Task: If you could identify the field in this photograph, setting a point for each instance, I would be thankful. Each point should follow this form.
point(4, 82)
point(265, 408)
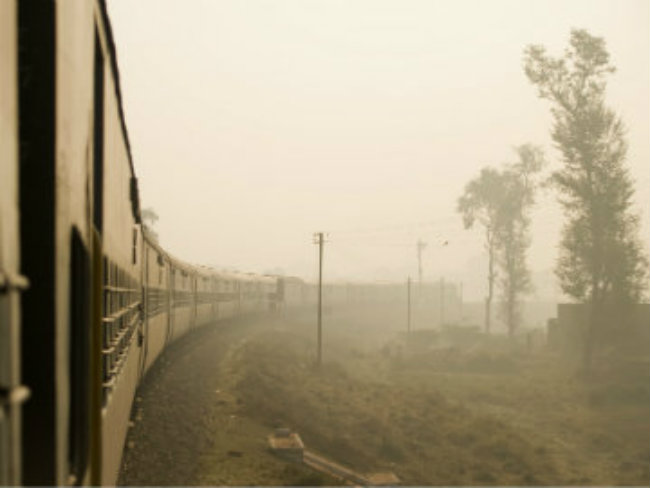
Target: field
point(434, 408)
point(451, 415)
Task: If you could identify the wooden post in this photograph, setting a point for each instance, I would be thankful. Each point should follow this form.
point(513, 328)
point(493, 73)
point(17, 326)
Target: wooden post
point(320, 298)
point(442, 301)
point(408, 302)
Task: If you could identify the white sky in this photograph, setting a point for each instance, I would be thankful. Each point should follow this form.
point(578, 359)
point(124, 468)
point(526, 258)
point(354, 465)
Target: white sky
point(256, 123)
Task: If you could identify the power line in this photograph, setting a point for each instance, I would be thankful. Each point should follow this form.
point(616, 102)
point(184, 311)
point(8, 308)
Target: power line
point(384, 228)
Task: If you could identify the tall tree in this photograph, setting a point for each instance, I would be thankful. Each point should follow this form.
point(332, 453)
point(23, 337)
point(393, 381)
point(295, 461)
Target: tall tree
point(601, 259)
point(481, 203)
point(513, 239)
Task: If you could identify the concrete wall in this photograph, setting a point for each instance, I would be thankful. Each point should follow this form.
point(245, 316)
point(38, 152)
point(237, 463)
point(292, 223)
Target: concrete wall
point(627, 327)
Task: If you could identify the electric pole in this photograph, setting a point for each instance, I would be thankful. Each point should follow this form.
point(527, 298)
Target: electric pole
point(318, 239)
point(408, 306)
point(461, 302)
point(421, 245)
point(442, 300)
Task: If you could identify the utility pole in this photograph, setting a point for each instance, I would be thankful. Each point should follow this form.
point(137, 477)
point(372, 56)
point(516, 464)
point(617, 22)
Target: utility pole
point(461, 301)
point(421, 245)
point(408, 306)
point(318, 239)
point(442, 300)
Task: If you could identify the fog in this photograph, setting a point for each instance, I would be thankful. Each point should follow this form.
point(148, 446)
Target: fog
point(255, 124)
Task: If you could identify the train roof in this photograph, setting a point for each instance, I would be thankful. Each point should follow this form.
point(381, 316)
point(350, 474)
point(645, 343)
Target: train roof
point(177, 263)
point(110, 44)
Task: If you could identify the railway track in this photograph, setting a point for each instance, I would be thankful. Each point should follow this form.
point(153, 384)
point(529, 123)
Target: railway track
point(171, 421)
point(324, 465)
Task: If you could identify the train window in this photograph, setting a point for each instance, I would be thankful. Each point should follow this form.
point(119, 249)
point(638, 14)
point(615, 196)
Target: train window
point(135, 199)
point(105, 282)
point(120, 321)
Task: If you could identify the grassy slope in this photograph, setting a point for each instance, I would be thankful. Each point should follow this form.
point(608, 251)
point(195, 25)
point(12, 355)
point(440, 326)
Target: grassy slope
point(433, 418)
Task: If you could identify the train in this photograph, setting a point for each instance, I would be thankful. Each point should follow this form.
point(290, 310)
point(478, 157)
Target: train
point(88, 299)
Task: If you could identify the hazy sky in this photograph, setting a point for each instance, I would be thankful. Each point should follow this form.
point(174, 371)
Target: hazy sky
point(256, 123)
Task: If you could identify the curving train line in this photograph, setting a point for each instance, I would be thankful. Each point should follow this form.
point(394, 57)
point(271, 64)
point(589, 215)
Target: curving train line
point(88, 300)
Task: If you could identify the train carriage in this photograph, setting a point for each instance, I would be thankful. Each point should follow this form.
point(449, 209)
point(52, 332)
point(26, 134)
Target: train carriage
point(245, 293)
point(156, 281)
point(228, 294)
point(59, 204)
point(122, 246)
point(291, 292)
point(205, 297)
point(80, 244)
point(183, 303)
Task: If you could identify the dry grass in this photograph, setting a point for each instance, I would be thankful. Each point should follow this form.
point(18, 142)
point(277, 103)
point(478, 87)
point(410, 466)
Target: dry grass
point(456, 416)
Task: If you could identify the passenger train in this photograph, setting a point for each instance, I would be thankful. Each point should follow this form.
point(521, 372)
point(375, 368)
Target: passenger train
point(88, 300)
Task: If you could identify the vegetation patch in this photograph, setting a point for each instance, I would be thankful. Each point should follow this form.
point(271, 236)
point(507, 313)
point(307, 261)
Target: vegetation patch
point(377, 424)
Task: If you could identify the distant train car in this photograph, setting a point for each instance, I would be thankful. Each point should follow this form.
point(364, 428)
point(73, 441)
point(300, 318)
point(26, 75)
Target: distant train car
point(156, 282)
point(267, 293)
point(205, 297)
point(291, 292)
point(183, 307)
point(228, 297)
point(254, 292)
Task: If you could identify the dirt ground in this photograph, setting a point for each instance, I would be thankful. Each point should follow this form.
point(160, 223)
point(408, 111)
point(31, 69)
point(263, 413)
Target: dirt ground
point(432, 411)
point(183, 412)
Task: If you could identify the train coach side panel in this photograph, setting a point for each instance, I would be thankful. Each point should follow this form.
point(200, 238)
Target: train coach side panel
point(122, 291)
point(205, 298)
point(74, 100)
point(183, 304)
point(157, 303)
point(115, 421)
point(227, 296)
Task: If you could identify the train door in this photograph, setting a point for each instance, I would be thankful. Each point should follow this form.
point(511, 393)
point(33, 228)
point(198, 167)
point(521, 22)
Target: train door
point(146, 301)
point(167, 283)
point(80, 345)
point(238, 291)
point(172, 298)
point(36, 98)
point(215, 299)
point(194, 287)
